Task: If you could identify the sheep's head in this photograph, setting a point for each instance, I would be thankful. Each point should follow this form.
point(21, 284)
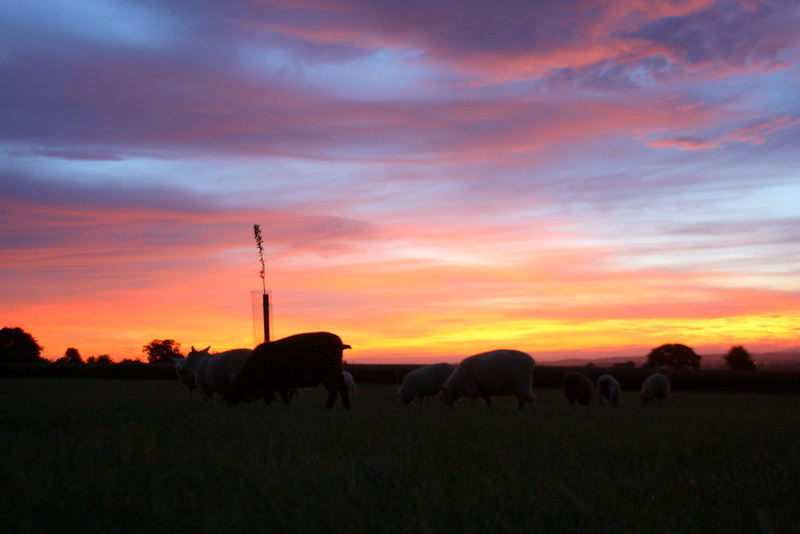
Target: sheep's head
point(194, 353)
point(185, 372)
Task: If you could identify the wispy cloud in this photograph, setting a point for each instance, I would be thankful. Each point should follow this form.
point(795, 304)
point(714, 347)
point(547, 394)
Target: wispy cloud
point(755, 133)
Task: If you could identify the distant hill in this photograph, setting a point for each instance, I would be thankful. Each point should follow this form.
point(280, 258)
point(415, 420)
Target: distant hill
point(788, 359)
point(599, 362)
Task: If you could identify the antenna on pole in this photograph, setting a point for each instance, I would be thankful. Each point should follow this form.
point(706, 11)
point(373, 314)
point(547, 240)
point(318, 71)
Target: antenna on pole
point(261, 273)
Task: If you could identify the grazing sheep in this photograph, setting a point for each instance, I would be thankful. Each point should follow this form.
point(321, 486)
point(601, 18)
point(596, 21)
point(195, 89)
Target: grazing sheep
point(498, 372)
point(212, 374)
point(423, 382)
point(608, 390)
point(299, 361)
point(654, 388)
point(578, 387)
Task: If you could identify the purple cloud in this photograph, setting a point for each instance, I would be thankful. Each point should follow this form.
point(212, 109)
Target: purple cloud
point(732, 33)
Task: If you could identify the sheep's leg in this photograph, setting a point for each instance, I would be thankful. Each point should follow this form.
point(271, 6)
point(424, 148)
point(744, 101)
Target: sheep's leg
point(529, 398)
point(340, 381)
point(332, 394)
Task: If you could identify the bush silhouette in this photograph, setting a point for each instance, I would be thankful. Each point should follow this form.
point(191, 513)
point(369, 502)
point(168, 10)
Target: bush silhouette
point(739, 359)
point(160, 350)
point(674, 355)
point(71, 355)
point(16, 345)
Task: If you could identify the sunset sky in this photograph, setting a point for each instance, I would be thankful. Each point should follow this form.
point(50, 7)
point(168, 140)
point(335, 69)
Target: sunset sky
point(432, 179)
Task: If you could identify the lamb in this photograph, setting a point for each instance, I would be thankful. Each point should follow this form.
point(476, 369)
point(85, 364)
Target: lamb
point(608, 390)
point(654, 388)
point(497, 372)
point(578, 386)
point(299, 361)
point(423, 382)
point(212, 374)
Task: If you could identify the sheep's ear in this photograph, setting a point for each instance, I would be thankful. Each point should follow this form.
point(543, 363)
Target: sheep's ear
point(206, 349)
point(193, 349)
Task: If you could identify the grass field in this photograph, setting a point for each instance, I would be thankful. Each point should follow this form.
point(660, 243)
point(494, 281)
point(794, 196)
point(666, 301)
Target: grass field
point(131, 456)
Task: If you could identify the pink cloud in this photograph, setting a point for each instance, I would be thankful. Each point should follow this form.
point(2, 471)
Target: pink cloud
point(79, 240)
point(754, 133)
point(686, 143)
point(758, 132)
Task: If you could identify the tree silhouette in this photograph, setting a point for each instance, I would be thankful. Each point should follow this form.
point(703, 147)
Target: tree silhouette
point(71, 355)
point(673, 355)
point(16, 345)
point(160, 350)
point(739, 359)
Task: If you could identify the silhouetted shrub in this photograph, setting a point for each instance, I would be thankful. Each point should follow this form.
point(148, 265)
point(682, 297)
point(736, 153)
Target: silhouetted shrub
point(16, 345)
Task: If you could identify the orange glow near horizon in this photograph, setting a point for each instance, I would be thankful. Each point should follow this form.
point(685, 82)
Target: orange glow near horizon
point(423, 319)
point(424, 339)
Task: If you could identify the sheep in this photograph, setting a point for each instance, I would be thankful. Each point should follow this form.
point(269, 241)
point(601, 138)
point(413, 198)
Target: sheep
point(654, 388)
point(298, 361)
point(497, 372)
point(608, 390)
point(212, 374)
point(578, 387)
point(423, 382)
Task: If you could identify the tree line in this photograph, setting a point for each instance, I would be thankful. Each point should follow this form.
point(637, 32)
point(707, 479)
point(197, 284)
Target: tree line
point(18, 346)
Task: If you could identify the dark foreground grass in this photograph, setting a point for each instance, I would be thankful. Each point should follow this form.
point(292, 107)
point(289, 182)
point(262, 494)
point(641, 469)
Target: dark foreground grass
point(90, 456)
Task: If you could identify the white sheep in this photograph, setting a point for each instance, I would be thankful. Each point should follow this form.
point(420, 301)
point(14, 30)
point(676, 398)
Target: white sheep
point(498, 372)
point(212, 374)
point(423, 382)
point(608, 390)
point(654, 388)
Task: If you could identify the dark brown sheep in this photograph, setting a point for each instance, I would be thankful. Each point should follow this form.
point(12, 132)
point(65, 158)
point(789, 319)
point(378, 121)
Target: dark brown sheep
point(299, 361)
point(578, 387)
